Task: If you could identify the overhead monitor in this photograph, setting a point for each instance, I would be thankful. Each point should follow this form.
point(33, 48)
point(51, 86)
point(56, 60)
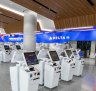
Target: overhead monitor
point(30, 58)
point(54, 55)
point(63, 54)
point(69, 53)
point(6, 47)
point(18, 47)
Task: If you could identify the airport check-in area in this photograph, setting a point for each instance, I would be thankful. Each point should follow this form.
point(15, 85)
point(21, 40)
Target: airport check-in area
point(47, 45)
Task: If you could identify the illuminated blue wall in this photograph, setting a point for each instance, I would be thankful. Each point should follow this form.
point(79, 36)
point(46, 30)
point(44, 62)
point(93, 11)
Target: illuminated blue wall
point(55, 37)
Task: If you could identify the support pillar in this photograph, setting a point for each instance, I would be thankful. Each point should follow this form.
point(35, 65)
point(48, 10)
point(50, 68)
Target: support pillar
point(92, 53)
point(30, 26)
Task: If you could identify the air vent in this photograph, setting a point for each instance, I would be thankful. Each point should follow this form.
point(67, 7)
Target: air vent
point(45, 6)
point(90, 2)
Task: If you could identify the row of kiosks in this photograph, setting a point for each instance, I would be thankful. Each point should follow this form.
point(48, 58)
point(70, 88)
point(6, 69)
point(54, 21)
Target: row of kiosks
point(66, 64)
point(50, 69)
point(69, 64)
point(9, 51)
point(75, 57)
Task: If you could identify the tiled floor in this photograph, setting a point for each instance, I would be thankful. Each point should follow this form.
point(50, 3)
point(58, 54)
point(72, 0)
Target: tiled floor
point(85, 83)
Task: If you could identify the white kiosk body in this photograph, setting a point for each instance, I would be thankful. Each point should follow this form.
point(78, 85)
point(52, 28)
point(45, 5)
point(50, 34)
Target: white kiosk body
point(25, 77)
point(79, 63)
point(67, 66)
point(52, 71)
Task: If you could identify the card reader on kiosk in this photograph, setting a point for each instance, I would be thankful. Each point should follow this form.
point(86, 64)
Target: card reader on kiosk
point(67, 66)
point(6, 53)
point(79, 63)
point(52, 71)
point(29, 75)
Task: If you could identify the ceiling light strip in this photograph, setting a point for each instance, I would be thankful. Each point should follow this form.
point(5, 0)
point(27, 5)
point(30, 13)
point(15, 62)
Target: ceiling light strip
point(11, 10)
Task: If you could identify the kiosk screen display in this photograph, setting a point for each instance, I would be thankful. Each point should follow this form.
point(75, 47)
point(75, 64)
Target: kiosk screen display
point(18, 47)
point(63, 54)
point(54, 55)
point(69, 53)
point(6, 47)
point(31, 58)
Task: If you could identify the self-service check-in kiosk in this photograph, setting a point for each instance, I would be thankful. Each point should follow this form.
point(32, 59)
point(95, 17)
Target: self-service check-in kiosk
point(67, 66)
point(52, 71)
point(29, 76)
point(46, 67)
point(79, 63)
point(25, 76)
point(17, 54)
point(6, 53)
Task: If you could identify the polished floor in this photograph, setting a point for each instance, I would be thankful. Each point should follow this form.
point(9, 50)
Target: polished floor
point(87, 82)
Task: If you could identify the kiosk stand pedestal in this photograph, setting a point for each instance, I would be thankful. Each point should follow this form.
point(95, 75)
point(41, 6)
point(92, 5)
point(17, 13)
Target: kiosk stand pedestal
point(52, 74)
point(52, 70)
point(29, 80)
point(67, 66)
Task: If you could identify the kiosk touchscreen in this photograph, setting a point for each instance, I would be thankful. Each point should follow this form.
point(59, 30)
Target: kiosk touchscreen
point(30, 58)
point(63, 54)
point(18, 47)
point(54, 55)
point(6, 47)
point(69, 53)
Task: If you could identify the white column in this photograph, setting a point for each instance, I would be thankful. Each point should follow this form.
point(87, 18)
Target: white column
point(30, 26)
point(92, 53)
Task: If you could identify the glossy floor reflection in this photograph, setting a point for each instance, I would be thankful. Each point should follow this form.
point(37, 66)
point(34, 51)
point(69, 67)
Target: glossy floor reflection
point(85, 83)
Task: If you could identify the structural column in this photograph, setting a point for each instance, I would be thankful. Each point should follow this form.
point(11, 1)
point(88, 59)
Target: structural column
point(92, 53)
point(30, 26)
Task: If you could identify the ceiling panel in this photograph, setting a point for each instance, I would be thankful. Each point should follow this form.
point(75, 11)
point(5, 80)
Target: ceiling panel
point(55, 9)
point(7, 17)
